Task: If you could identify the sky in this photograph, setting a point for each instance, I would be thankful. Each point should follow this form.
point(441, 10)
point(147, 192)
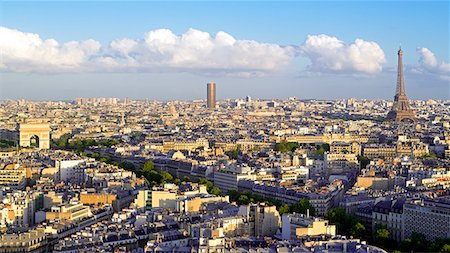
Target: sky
point(58, 50)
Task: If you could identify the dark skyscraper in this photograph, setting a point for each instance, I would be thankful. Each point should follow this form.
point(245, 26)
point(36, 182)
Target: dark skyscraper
point(211, 95)
point(401, 111)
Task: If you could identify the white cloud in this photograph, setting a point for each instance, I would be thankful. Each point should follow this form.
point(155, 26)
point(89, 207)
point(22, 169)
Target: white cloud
point(198, 51)
point(160, 50)
point(27, 52)
point(428, 64)
point(331, 55)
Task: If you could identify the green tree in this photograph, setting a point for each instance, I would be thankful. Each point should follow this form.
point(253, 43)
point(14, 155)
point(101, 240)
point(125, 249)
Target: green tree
point(383, 234)
point(253, 198)
point(243, 200)
point(177, 181)
point(215, 191)
point(363, 161)
point(406, 245)
point(285, 147)
point(63, 141)
point(94, 155)
point(302, 206)
point(445, 248)
point(148, 166)
point(438, 244)
point(344, 222)
point(292, 146)
point(419, 242)
point(235, 153)
point(127, 165)
point(209, 185)
point(383, 238)
point(105, 159)
point(358, 230)
point(322, 148)
point(429, 155)
point(153, 177)
point(167, 177)
point(283, 209)
point(233, 194)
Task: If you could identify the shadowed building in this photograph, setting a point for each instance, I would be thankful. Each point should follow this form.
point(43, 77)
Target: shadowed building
point(211, 95)
point(401, 111)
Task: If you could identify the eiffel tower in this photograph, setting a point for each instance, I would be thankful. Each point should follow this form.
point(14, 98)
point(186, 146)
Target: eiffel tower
point(401, 111)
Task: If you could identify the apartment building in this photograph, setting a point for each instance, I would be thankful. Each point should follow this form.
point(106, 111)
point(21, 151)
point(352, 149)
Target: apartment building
point(430, 217)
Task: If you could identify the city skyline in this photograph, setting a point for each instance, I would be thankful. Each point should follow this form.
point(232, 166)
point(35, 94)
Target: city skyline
point(323, 50)
point(212, 126)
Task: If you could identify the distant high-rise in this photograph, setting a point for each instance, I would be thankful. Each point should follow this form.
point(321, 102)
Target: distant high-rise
point(211, 95)
point(401, 111)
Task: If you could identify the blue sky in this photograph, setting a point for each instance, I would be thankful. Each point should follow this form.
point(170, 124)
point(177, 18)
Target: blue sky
point(298, 71)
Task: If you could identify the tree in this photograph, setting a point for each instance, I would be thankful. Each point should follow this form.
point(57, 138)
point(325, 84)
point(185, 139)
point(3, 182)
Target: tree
point(406, 245)
point(419, 242)
point(283, 209)
point(438, 244)
point(167, 177)
point(209, 185)
point(105, 159)
point(153, 177)
point(234, 195)
point(243, 200)
point(292, 146)
point(127, 165)
point(358, 230)
point(383, 238)
point(93, 155)
point(63, 141)
point(215, 191)
point(445, 248)
point(235, 153)
point(363, 161)
point(383, 234)
point(250, 197)
point(177, 181)
point(302, 206)
point(148, 166)
point(344, 222)
point(285, 147)
point(429, 155)
point(321, 149)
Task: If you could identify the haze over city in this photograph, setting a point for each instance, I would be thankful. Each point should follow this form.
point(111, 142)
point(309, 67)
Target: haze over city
point(169, 50)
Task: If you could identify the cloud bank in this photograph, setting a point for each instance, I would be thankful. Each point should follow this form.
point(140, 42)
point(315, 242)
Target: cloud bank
point(429, 65)
point(27, 52)
point(159, 51)
point(197, 52)
point(330, 55)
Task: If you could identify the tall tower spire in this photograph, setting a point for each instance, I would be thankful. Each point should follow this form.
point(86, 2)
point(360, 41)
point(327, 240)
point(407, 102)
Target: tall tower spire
point(400, 79)
point(401, 110)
